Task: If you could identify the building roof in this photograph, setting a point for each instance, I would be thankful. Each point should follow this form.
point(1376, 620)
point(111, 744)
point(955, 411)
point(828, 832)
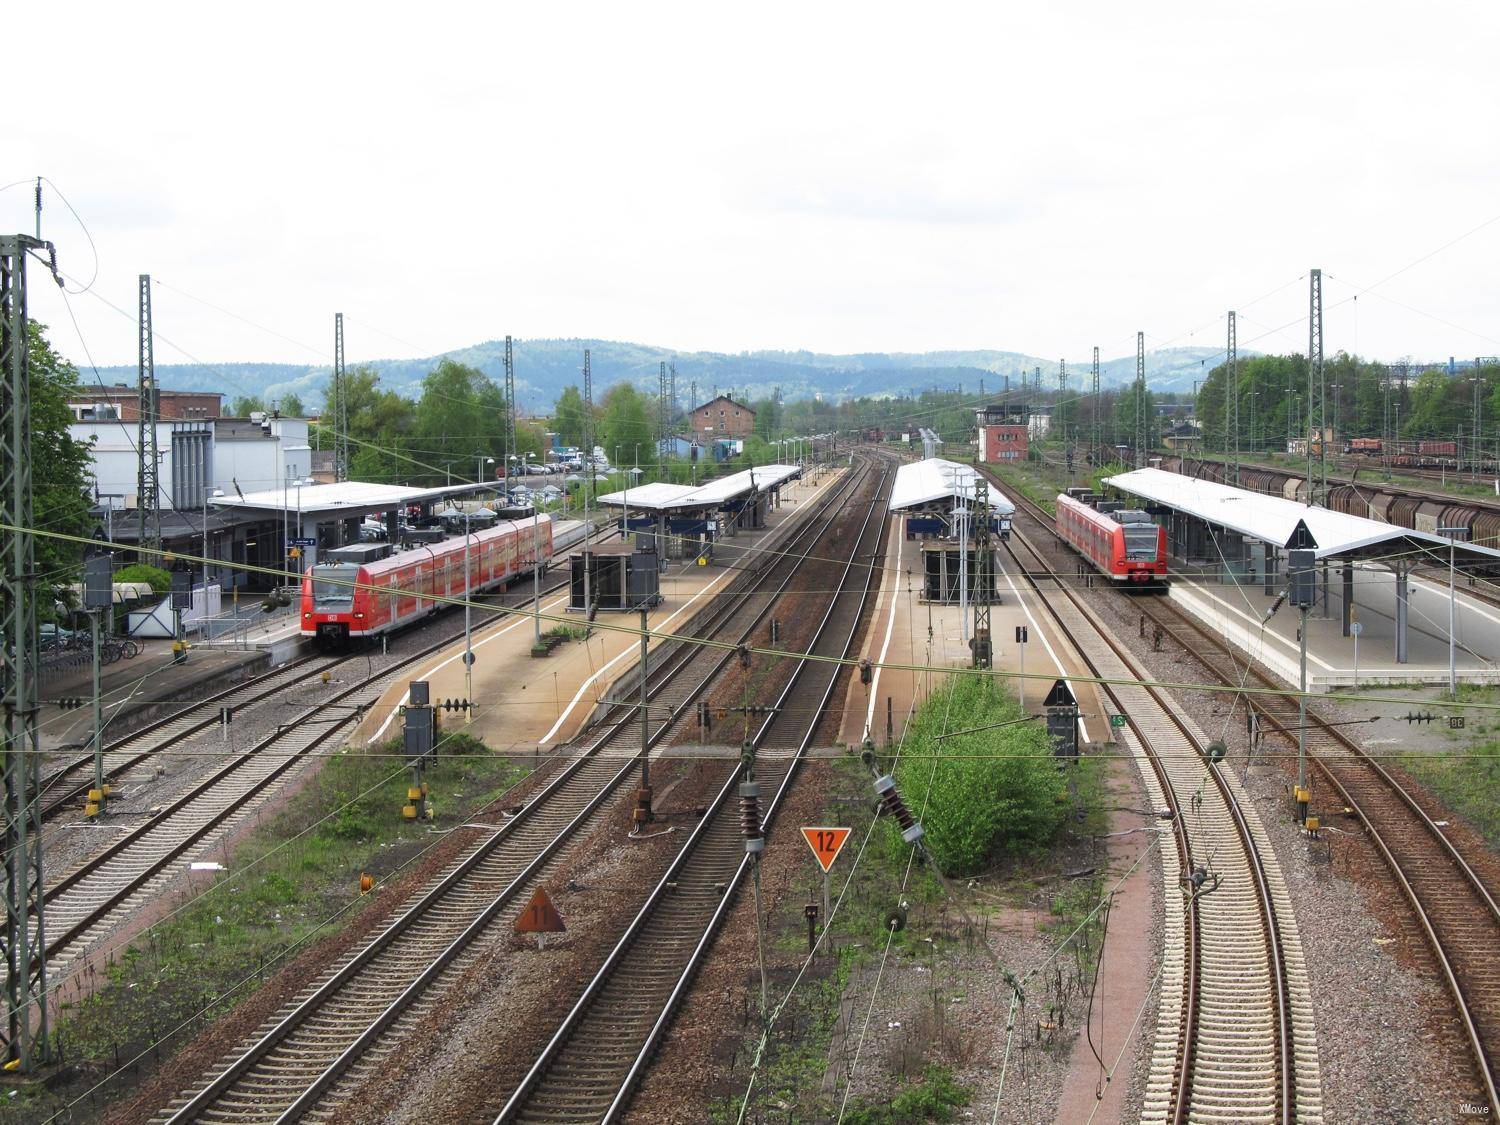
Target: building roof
point(662, 497)
point(722, 398)
point(1273, 519)
point(938, 482)
point(344, 498)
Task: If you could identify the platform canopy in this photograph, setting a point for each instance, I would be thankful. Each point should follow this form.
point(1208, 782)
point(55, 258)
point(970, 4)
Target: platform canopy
point(1275, 520)
point(661, 497)
point(346, 498)
point(936, 483)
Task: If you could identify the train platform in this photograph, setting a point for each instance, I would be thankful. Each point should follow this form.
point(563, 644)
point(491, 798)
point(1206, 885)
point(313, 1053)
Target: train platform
point(1238, 611)
point(527, 704)
point(917, 639)
point(138, 690)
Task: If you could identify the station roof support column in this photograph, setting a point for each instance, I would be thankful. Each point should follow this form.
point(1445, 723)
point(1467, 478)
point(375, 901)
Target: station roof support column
point(1402, 593)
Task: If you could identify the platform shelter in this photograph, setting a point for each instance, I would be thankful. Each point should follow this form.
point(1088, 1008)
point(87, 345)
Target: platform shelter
point(1243, 536)
point(688, 519)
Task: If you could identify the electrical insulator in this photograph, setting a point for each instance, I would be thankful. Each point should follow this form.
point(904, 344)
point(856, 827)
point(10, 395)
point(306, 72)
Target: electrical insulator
point(750, 817)
point(866, 672)
point(911, 830)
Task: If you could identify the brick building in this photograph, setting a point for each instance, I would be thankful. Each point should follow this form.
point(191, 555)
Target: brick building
point(722, 417)
point(119, 401)
point(1004, 432)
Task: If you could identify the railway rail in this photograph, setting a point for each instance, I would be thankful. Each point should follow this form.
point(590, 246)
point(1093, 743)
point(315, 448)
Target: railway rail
point(311, 1056)
point(1235, 1037)
point(589, 1069)
point(1455, 911)
point(94, 897)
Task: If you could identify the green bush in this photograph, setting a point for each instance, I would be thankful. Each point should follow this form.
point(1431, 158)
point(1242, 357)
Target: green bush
point(159, 580)
point(934, 1097)
point(986, 794)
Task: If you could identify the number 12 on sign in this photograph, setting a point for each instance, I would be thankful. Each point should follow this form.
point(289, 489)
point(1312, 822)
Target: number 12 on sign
point(826, 843)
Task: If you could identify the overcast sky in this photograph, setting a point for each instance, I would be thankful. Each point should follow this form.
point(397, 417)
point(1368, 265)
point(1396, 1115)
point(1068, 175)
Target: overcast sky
point(832, 177)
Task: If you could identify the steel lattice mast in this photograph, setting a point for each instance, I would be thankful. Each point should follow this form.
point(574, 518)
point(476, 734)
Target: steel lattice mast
point(1140, 399)
point(510, 412)
point(26, 1026)
point(147, 491)
point(663, 422)
point(340, 409)
point(1317, 468)
point(1232, 398)
point(1097, 419)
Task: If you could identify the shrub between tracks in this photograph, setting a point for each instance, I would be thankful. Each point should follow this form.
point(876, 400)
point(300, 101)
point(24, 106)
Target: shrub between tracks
point(994, 792)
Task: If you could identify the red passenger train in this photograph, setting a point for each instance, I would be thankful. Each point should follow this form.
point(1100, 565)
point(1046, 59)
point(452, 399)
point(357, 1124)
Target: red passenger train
point(342, 600)
point(1124, 544)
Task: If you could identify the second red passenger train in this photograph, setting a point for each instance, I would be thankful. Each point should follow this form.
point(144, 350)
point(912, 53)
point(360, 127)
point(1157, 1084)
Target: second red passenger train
point(1124, 544)
point(341, 601)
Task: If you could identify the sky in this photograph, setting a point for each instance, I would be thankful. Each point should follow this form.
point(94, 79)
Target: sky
point(834, 177)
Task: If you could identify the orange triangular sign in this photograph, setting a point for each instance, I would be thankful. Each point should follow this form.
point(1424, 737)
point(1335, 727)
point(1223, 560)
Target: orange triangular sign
point(826, 843)
point(540, 916)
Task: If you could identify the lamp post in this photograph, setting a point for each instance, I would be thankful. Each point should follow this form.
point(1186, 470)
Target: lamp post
point(481, 461)
point(1452, 533)
point(206, 494)
point(1335, 388)
point(536, 572)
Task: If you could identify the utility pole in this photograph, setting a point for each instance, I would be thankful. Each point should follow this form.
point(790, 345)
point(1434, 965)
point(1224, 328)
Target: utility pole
point(1317, 468)
point(1097, 420)
point(340, 409)
point(590, 470)
point(1140, 399)
point(672, 381)
point(510, 412)
point(26, 1028)
point(1062, 399)
point(148, 497)
point(1232, 398)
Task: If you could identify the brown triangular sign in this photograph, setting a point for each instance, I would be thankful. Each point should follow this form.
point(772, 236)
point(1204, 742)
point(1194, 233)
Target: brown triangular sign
point(540, 916)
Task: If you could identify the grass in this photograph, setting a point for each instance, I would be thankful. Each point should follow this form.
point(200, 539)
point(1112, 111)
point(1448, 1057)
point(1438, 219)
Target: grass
point(568, 632)
point(1467, 782)
point(293, 879)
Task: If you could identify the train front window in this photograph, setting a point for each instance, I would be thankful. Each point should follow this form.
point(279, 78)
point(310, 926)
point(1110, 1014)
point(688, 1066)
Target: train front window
point(1140, 542)
point(333, 586)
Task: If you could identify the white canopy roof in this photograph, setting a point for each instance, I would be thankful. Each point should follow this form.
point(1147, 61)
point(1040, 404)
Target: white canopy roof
point(661, 497)
point(1272, 519)
point(935, 481)
point(345, 497)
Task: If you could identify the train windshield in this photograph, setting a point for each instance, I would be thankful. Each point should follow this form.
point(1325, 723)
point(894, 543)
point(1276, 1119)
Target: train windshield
point(334, 585)
point(1140, 542)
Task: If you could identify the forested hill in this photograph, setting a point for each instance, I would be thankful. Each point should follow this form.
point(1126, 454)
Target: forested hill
point(545, 367)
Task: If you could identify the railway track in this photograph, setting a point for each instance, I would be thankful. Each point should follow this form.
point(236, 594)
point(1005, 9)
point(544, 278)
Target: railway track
point(1454, 909)
point(1456, 912)
point(65, 787)
point(318, 1050)
point(92, 899)
point(589, 1069)
point(1235, 1037)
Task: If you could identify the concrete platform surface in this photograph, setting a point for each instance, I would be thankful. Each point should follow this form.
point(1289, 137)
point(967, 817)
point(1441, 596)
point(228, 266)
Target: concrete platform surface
point(1238, 613)
point(526, 704)
point(134, 691)
point(910, 633)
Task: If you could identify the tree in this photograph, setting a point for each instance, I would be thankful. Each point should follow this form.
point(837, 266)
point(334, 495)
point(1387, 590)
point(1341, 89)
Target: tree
point(569, 416)
point(60, 465)
point(245, 405)
point(625, 425)
point(291, 406)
